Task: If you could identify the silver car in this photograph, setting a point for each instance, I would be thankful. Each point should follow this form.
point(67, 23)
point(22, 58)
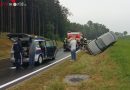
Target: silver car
point(44, 49)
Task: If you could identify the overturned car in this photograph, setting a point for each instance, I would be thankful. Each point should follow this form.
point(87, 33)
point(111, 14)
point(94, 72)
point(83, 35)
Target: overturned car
point(101, 43)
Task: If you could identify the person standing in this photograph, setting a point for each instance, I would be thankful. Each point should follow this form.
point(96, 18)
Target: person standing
point(32, 51)
point(21, 49)
point(17, 48)
point(73, 44)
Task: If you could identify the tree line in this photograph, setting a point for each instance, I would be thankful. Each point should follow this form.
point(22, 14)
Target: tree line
point(90, 30)
point(39, 17)
point(45, 18)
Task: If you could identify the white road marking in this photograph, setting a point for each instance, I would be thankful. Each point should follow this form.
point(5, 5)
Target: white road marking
point(27, 75)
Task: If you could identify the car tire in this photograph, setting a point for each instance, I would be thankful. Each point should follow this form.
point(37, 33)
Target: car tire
point(40, 60)
point(53, 58)
point(14, 64)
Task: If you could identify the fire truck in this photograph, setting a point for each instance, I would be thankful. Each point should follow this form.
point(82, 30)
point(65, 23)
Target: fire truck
point(78, 36)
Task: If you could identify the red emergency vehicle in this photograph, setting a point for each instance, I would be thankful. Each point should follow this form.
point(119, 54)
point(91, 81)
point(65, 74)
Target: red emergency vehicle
point(78, 36)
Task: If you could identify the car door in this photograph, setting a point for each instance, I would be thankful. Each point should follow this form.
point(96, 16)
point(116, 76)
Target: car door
point(54, 47)
point(50, 48)
point(42, 45)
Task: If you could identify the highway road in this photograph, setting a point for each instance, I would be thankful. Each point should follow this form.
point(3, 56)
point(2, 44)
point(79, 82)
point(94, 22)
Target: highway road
point(10, 77)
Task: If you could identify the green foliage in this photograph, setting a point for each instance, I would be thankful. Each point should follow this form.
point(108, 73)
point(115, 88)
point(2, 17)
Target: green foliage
point(90, 30)
point(39, 17)
point(45, 18)
point(125, 33)
point(50, 30)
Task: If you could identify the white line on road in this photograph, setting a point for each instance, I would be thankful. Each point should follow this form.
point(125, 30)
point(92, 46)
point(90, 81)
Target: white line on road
point(32, 73)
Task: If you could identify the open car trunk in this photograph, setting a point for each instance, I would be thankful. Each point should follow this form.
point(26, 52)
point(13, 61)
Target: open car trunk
point(25, 45)
point(24, 41)
point(14, 36)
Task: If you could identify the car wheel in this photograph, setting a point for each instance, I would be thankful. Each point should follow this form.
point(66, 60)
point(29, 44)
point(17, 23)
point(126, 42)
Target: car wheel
point(40, 60)
point(14, 64)
point(53, 58)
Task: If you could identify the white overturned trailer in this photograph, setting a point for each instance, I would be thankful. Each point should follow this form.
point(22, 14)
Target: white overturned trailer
point(101, 43)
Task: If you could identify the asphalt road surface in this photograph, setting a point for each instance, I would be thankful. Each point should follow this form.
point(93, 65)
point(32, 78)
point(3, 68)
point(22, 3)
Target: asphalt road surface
point(7, 74)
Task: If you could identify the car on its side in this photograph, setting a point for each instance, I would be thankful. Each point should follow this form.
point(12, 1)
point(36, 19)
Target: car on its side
point(44, 48)
point(101, 43)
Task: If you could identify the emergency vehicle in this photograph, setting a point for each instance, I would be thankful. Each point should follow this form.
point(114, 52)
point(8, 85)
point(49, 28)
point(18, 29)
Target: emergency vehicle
point(45, 49)
point(78, 36)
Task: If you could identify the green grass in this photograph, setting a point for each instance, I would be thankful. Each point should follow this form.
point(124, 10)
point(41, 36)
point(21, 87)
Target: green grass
point(3, 35)
point(121, 55)
point(5, 46)
point(108, 71)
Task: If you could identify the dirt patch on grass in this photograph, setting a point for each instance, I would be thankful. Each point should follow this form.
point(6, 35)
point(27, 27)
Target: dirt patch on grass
point(75, 79)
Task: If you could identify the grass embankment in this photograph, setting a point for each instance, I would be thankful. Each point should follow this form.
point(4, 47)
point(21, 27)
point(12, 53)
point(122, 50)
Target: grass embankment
point(108, 71)
point(5, 45)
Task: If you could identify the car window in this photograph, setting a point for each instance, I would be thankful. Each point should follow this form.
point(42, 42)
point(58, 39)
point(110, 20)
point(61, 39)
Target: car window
point(42, 43)
point(37, 44)
point(100, 43)
point(49, 43)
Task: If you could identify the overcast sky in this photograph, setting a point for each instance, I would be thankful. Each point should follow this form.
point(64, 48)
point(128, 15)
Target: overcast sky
point(115, 14)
